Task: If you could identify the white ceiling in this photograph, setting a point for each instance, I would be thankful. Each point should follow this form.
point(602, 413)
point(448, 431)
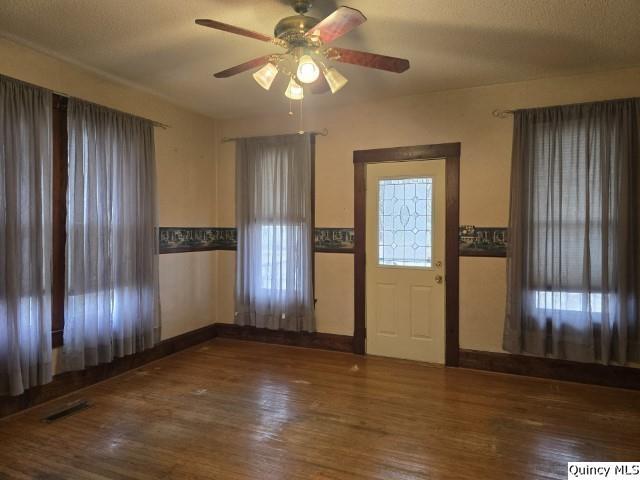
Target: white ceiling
point(450, 43)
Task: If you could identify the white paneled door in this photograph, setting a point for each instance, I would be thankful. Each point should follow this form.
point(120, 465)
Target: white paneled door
point(405, 260)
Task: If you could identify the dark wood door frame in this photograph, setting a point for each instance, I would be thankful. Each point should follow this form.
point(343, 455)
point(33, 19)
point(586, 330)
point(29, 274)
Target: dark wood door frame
point(450, 152)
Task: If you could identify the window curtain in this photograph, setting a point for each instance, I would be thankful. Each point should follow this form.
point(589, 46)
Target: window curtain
point(25, 236)
point(573, 258)
point(112, 304)
point(274, 220)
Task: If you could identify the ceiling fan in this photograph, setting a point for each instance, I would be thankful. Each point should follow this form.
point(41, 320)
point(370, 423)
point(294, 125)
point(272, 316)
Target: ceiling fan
point(306, 40)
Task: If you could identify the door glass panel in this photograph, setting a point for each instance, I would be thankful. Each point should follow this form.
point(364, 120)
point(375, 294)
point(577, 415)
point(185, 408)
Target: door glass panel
point(404, 221)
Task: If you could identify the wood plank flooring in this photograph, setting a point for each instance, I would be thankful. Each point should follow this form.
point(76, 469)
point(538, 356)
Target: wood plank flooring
point(229, 409)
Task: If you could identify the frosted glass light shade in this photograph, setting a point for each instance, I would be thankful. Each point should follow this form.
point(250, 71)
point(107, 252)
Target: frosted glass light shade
point(335, 79)
point(266, 75)
point(308, 71)
point(294, 91)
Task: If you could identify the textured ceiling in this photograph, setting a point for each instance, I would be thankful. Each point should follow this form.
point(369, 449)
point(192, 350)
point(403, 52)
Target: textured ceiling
point(450, 43)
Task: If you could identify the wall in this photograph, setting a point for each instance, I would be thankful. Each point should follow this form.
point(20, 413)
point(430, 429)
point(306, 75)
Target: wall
point(195, 190)
point(186, 174)
point(451, 116)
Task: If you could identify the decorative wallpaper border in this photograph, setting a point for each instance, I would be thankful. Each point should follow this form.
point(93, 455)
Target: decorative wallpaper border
point(474, 241)
point(334, 240)
point(197, 239)
point(482, 241)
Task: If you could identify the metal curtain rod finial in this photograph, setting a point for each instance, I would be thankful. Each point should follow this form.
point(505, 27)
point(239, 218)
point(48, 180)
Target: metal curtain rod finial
point(502, 113)
point(323, 133)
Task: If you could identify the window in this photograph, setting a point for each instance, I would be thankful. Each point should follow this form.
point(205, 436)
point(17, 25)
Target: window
point(61, 235)
point(25, 236)
point(111, 304)
point(404, 222)
point(273, 257)
point(567, 230)
point(81, 234)
point(569, 301)
point(274, 205)
point(573, 233)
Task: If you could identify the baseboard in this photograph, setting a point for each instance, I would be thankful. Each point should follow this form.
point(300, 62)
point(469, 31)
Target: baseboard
point(326, 341)
point(591, 373)
point(70, 381)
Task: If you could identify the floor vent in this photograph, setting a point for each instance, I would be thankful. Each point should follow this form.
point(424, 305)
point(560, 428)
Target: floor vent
point(66, 410)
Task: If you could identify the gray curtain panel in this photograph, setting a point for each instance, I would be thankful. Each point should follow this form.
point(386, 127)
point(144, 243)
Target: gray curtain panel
point(573, 255)
point(274, 287)
point(112, 304)
point(25, 236)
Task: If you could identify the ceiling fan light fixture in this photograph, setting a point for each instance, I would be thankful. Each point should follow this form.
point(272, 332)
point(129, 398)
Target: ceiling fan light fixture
point(294, 91)
point(308, 70)
point(307, 40)
point(266, 75)
point(335, 79)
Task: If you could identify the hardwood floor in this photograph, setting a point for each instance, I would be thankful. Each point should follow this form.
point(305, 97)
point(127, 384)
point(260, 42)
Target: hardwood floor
point(229, 409)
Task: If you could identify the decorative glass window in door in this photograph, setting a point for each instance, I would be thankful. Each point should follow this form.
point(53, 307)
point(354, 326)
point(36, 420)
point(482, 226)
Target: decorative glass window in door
point(404, 222)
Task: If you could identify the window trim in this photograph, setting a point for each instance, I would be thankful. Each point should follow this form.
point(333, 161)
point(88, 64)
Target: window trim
point(313, 219)
point(60, 179)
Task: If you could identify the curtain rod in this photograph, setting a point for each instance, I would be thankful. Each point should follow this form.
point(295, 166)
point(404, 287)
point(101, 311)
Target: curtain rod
point(506, 113)
point(324, 132)
point(502, 113)
point(153, 122)
point(66, 95)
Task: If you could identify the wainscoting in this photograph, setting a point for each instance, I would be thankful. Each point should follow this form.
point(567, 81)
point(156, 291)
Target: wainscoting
point(325, 341)
point(609, 376)
point(68, 382)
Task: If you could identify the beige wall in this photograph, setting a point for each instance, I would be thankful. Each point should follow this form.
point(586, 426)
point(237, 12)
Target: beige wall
point(452, 116)
point(186, 175)
point(196, 171)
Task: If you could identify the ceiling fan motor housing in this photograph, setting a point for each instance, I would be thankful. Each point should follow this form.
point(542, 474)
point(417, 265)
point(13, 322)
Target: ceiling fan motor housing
point(292, 29)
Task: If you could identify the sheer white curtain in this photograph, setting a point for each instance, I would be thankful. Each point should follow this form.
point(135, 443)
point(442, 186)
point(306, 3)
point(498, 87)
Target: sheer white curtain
point(25, 236)
point(574, 263)
point(274, 287)
point(112, 306)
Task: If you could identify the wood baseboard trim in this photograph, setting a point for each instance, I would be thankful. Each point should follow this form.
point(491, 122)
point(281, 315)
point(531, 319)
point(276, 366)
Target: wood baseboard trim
point(68, 382)
point(591, 373)
point(325, 341)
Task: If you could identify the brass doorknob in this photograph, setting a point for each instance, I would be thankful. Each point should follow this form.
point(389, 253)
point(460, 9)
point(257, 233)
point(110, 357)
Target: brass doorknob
point(438, 278)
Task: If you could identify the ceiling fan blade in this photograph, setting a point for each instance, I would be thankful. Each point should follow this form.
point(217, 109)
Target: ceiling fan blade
point(366, 59)
point(243, 67)
point(342, 21)
point(232, 29)
point(320, 85)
